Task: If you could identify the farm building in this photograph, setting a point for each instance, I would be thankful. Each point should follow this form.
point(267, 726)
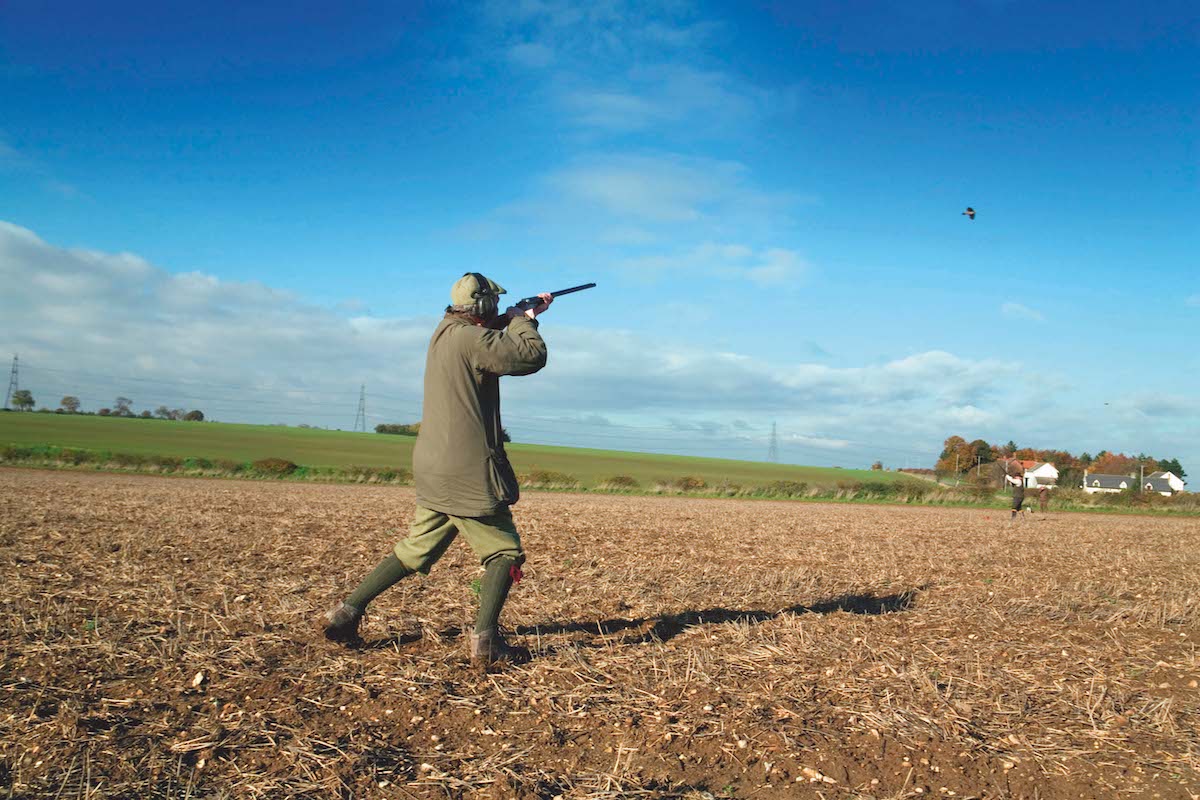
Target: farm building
point(1040, 474)
point(1159, 485)
point(1107, 483)
point(1172, 480)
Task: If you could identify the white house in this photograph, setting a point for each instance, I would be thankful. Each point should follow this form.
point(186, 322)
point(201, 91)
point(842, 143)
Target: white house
point(1107, 483)
point(1043, 474)
point(1175, 483)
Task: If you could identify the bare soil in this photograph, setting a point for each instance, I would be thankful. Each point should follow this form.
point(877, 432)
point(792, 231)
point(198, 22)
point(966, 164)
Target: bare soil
point(160, 638)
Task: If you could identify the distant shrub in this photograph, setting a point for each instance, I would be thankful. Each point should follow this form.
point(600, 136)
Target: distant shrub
point(167, 463)
point(786, 489)
point(274, 466)
point(399, 430)
point(361, 474)
point(128, 459)
point(225, 465)
point(14, 453)
point(197, 464)
point(547, 479)
point(72, 456)
point(916, 490)
point(686, 483)
point(618, 483)
point(1131, 499)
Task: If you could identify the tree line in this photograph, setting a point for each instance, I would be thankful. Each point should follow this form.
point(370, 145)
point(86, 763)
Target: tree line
point(960, 456)
point(413, 428)
point(22, 400)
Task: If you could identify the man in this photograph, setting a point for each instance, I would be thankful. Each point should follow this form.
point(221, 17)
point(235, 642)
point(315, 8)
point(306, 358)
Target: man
point(1043, 498)
point(1014, 475)
point(464, 483)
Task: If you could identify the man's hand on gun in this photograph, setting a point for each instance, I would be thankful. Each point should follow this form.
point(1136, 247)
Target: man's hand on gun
point(530, 311)
point(538, 303)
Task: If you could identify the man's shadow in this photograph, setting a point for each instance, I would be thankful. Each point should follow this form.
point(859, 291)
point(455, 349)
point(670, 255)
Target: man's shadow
point(665, 627)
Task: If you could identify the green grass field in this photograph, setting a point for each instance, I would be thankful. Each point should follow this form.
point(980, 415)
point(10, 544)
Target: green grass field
point(320, 448)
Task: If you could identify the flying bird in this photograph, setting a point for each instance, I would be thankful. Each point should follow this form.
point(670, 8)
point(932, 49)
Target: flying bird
point(969, 213)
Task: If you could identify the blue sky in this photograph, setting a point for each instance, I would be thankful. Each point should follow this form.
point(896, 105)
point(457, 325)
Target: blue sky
point(254, 211)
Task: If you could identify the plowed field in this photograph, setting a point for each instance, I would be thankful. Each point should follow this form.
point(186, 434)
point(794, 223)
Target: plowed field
point(160, 638)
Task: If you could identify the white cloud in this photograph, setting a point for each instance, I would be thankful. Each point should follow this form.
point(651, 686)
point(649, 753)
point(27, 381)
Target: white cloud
point(768, 268)
point(657, 190)
point(1021, 312)
point(664, 94)
point(650, 189)
point(673, 80)
point(599, 33)
point(818, 441)
point(1164, 405)
point(778, 267)
point(99, 324)
point(13, 160)
point(615, 109)
point(970, 417)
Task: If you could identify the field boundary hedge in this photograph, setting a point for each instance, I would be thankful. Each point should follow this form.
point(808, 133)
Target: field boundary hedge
point(909, 492)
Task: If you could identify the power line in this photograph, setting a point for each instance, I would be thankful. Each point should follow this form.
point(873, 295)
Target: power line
point(360, 421)
point(13, 384)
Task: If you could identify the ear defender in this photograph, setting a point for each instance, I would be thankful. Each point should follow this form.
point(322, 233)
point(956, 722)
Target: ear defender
point(486, 301)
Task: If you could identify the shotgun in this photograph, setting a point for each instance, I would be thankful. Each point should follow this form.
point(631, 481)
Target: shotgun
point(534, 302)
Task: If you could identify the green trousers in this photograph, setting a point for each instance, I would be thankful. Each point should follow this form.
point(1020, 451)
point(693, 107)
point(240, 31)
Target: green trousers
point(432, 532)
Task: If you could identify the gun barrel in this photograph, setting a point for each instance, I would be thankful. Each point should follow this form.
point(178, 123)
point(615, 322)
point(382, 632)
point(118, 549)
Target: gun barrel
point(531, 302)
point(579, 288)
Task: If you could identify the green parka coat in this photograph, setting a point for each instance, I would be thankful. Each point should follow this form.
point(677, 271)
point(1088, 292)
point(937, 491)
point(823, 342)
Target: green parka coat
point(459, 464)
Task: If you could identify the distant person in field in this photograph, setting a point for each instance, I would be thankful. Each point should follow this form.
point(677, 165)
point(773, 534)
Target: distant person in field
point(1014, 475)
point(1043, 498)
point(464, 482)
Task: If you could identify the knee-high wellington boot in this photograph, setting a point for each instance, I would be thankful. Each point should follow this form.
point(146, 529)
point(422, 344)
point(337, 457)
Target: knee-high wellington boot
point(487, 645)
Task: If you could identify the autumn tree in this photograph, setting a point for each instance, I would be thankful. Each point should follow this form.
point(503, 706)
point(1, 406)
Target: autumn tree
point(1114, 464)
point(957, 456)
point(22, 399)
point(121, 408)
point(982, 452)
point(70, 404)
